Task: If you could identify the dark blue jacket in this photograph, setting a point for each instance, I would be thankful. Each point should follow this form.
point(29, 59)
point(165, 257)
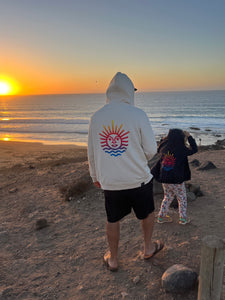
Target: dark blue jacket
point(173, 167)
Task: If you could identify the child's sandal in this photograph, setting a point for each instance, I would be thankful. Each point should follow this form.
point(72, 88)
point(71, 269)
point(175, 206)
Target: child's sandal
point(166, 219)
point(183, 221)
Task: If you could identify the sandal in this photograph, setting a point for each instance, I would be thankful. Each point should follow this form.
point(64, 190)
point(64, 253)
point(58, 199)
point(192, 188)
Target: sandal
point(166, 219)
point(106, 262)
point(158, 247)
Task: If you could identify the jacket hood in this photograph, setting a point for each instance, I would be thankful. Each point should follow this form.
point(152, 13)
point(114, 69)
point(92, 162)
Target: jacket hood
point(121, 89)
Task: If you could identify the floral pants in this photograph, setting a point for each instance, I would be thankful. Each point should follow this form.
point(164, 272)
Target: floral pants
point(171, 190)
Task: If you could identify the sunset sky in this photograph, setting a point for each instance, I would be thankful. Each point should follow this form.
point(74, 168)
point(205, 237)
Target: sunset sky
point(76, 46)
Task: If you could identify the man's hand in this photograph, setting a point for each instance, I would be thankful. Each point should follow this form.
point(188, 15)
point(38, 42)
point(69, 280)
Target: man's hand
point(97, 184)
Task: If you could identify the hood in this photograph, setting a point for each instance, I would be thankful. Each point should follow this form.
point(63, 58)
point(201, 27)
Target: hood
point(121, 89)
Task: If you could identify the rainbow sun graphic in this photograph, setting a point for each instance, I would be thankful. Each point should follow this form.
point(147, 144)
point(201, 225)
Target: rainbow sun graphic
point(114, 140)
point(168, 161)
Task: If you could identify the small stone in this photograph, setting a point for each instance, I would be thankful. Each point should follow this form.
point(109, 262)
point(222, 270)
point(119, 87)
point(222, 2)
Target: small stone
point(13, 190)
point(41, 223)
point(136, 279)
point(124, 294)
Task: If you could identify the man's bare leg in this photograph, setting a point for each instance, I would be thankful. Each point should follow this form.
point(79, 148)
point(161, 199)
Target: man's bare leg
point(147, 227)
point(113, 235)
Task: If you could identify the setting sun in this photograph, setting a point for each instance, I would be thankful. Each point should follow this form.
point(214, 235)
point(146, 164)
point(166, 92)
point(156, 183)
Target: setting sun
point(4, 88)
point(8, 86)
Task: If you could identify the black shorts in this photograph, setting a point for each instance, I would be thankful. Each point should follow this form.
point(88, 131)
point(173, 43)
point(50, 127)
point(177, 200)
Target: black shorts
point(119, 203)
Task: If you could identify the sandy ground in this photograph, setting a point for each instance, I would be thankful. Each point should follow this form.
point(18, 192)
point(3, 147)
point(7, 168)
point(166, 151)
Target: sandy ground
point(64, 259)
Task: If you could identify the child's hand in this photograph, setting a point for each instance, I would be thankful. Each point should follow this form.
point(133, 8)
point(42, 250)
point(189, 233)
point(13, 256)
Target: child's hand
point(97, 184)
point(186, 133)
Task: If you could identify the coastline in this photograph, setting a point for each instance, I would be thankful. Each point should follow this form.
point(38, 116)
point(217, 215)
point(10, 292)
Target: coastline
point(19, 152)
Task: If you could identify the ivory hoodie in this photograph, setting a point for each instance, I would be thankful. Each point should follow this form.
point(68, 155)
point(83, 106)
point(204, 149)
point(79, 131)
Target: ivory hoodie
point(120, 139)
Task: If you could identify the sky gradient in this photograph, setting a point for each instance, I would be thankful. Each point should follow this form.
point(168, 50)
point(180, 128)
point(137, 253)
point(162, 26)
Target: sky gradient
point(71, 46)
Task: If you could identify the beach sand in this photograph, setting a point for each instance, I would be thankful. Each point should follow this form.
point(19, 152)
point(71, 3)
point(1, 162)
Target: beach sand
point(64, 259)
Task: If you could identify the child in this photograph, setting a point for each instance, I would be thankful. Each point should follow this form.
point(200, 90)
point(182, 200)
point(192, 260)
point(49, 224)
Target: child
point(172, 170)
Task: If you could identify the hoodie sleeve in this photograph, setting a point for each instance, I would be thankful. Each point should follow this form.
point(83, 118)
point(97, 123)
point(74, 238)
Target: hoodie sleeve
point(91, 160)
point(147, 138)
point(194, 147)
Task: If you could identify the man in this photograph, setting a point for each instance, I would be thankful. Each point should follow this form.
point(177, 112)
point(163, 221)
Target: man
point(120, 143)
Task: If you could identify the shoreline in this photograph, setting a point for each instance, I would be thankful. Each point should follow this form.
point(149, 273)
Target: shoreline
point(219, 145)
point(18, 153)
point(202, 139)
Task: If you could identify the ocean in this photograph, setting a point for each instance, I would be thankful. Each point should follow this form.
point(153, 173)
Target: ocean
point(64, 119)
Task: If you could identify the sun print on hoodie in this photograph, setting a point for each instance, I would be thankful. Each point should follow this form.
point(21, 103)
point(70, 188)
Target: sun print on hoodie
point(168, 161)
point(114, 140)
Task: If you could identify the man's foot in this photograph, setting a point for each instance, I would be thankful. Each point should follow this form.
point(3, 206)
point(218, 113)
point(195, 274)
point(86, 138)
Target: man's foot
point(158, 247)
point(110, 266)
point(166, 219)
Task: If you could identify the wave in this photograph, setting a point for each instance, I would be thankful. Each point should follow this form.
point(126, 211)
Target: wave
point(7, 130)
point(183, 116)
point(5, 120)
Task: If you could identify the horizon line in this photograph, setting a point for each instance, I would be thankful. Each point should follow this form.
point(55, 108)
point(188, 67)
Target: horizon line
point(101, 93)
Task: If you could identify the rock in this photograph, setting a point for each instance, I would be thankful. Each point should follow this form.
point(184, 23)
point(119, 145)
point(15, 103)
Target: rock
point(220, 142)
point(207, 166)
point(41, 223)
point(194, 128)
point(194, 188)
point(191, 197)
point(136, 279)
point(179, 278)
point(13, 190)
point(124, 294)
point(195, 163)
point(157, 187)
point(199, 194)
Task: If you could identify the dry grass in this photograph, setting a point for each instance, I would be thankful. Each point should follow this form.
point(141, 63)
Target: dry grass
point(80, 186)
